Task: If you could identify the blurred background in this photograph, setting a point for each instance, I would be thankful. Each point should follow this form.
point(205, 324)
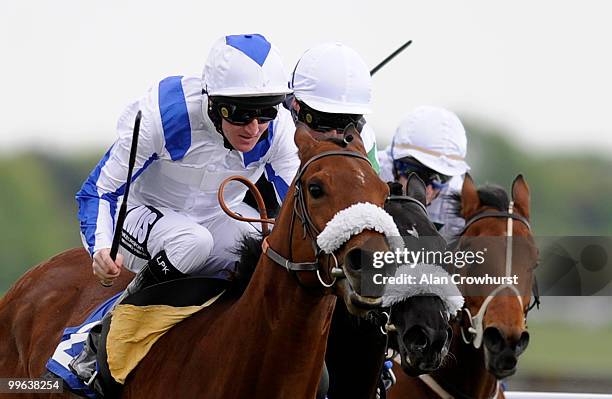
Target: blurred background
point(530, 80)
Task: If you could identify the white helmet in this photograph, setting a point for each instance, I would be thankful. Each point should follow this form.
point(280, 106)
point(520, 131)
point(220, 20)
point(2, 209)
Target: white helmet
point(244, 66)
point(433, 136)
point(333, 78)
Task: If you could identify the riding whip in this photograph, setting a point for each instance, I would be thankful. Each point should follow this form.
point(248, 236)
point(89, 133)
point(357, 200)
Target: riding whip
point(123, 208)
point(390, 57)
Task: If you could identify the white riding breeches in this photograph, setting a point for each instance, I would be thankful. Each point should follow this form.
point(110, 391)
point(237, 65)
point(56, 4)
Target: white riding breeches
point(196, 249)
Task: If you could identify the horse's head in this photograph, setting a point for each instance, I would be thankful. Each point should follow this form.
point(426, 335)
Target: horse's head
point(419, 313)
point(494, 315)
point(336, 203)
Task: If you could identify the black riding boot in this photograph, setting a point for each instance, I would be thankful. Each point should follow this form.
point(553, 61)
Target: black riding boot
point(157, 270)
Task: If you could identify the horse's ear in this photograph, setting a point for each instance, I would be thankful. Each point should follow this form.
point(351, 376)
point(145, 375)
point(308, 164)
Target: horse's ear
point(470, 202)
point(303, 140)
point(415, 188)
point(520, 195)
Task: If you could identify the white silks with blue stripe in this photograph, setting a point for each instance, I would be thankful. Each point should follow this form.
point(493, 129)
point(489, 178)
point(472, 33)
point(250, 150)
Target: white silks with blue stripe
point(180, 163)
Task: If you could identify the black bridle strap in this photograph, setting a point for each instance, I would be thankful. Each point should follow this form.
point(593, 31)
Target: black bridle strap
point(286, 263)
point(327, 154)
point(408, 199)
point(494, 214)
point(299, 192)
point(299, 209)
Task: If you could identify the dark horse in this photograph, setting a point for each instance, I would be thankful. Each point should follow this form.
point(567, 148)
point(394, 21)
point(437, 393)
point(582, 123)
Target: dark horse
point(492, 332)
point(357, 347)
point(268, 343)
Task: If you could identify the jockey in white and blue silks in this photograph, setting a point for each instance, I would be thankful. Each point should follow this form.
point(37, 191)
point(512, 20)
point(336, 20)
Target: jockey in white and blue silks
point(194, 133)
point(431, 142)
point(183, 156)
point(332, 88)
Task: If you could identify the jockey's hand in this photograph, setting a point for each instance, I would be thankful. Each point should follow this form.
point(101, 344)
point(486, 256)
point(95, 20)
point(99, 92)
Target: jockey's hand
point(103, 266)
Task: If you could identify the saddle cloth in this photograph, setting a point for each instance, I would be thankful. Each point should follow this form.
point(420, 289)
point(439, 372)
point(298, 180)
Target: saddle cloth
point(134, 330)
point(136, 324)
point(71, 344)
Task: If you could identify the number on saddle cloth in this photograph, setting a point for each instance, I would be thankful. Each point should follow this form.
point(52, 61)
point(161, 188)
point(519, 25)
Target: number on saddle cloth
point(71, 344)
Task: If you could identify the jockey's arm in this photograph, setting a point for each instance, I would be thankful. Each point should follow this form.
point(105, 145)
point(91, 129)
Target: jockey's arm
point(98, 198)
point(284, 162)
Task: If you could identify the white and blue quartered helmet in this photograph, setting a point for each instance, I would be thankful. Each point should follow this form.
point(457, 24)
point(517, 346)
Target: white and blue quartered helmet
point(244, 66)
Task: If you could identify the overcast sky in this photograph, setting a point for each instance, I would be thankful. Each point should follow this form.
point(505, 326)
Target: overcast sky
point(540, 69)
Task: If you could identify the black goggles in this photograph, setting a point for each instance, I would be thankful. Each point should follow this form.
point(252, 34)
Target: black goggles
point(324, 122)
point(430, 177)
point(241, 115)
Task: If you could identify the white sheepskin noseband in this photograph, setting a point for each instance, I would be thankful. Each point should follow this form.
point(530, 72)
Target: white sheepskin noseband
point(448, 292)
point(353, 220)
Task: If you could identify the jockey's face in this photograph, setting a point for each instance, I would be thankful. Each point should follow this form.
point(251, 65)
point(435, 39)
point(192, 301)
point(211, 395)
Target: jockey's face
point(243, 137)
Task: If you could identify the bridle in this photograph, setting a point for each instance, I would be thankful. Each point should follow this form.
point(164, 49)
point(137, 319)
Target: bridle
point(301, 211)
point(383, 318)
point(309, 229)
point(476, 328)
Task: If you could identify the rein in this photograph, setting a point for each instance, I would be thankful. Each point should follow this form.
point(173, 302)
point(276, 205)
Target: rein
point(264, 220)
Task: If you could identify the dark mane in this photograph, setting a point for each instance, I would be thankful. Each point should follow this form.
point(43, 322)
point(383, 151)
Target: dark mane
point(490, 195)
point(249, 249)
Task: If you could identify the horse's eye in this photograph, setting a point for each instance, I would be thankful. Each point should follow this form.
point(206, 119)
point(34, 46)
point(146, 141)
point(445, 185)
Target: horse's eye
point(315, 190)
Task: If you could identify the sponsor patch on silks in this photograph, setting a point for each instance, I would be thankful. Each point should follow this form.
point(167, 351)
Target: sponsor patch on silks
point(71, 344)
point(135, 233)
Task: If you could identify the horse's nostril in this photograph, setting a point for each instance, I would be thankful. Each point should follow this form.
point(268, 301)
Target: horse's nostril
point(416, 338)
point(522, 343)
point(493, 339)
point(354, 259)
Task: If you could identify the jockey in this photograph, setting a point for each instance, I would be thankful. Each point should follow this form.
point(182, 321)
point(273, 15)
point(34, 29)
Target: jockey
point(331, 89)
point(430, 141)
point(194, 133)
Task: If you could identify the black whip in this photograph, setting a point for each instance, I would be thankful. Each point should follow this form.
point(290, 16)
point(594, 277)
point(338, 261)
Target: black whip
point(390, 57)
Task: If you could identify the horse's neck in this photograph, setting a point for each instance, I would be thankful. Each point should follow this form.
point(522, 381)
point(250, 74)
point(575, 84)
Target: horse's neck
point(288, 324)
point(466, 372)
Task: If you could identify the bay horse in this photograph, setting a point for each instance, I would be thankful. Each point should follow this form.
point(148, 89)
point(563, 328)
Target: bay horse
point(357, 347)
point(267, 343)
point(492, 332)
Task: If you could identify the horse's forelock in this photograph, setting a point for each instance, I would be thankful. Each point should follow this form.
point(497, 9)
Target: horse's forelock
point(490, 195)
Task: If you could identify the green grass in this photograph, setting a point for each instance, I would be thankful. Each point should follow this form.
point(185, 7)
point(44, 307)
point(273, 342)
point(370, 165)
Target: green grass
point(557, 349)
